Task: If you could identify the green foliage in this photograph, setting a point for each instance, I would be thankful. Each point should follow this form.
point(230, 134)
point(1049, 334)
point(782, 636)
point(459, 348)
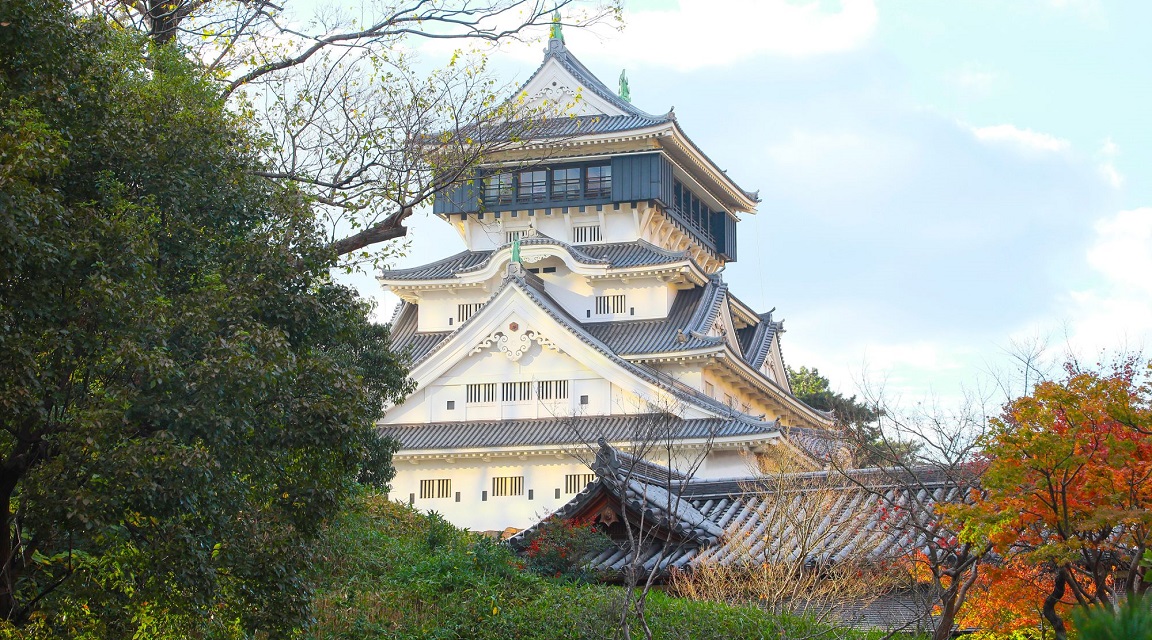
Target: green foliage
point(187, 397)
point(1132, 620)
point(855, 417)
point(388, 571)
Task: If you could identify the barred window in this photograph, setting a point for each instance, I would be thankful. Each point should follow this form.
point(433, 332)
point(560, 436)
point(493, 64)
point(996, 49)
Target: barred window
point(598, 182)
point(435, 488)
point(465, 311)
point(575, 482)
point(515, 391)
point(483, 392)
point(498, 189)
point(606, 305)
point(566, 184)
point(513, 236)
point(508, 486)
point(533, 186)
point(587, 233)
point(552, 389)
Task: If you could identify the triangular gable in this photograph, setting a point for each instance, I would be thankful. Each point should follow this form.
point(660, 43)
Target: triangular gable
point(515, 319)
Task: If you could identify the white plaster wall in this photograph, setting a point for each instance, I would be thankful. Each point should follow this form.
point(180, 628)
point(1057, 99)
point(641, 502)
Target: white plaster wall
point(437, 310)
point(645, 298)
point(543, 474)
point(727, 463)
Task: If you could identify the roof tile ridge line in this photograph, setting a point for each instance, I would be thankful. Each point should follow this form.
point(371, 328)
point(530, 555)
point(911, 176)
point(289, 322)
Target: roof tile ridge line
point(711, 308)
point(400, 308)
point(577, 330)
point(573, 64)
point(765, 346)
point(756, 345)
point(434, 263)
point(683, 253)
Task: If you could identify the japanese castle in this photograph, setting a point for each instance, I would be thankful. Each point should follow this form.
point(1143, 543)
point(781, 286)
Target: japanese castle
point(588, 305)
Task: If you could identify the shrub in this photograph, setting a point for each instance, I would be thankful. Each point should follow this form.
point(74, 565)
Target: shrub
point(558, 548)
point(1132, 620)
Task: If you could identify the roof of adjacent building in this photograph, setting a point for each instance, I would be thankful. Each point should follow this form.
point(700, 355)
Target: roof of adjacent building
point(864, 515)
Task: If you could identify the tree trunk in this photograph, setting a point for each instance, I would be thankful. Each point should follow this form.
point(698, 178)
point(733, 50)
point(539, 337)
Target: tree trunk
point(1050, 605)
point(8, 605)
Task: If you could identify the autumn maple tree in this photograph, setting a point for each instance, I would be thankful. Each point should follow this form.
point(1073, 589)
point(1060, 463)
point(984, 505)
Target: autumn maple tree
point(1068, 487)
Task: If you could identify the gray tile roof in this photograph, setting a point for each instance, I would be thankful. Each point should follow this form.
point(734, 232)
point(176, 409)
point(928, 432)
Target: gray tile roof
point(678, 332)
point(616, 255)
point(569, 431)
point(407, 340)
point(739, 520)
point(588, 125)
point(441, 269)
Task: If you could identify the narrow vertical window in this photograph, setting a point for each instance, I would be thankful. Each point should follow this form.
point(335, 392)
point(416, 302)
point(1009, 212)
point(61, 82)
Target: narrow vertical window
point(465, 311)
point(586, 233)
point(481, 393)
point(552, 390)
point(575, 482)
point(435, 488)
point(609, 305)
point(508, 486)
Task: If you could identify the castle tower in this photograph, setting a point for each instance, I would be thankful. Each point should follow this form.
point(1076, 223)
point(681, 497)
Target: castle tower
point(588, 304)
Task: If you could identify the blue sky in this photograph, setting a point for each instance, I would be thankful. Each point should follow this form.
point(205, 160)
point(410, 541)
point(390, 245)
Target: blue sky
point(938, 178)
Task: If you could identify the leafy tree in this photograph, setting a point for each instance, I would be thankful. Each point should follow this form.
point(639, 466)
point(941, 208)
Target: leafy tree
point(1068, 487)
point(856, 418)
point(186, 396)
point(353, 123)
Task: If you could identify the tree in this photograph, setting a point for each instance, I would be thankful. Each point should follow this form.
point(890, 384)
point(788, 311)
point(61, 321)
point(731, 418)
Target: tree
point(186, 396)
point(348, 117)
point(857, 419)
point(1069, 484)
point(932, 457)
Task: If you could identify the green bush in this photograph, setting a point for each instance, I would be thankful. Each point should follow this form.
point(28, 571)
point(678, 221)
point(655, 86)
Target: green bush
point(389, 571)
point(1132, 620)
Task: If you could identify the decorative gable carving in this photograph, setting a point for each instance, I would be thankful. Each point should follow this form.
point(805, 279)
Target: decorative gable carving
point(514, 341)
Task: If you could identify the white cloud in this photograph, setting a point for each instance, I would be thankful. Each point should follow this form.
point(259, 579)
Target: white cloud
point(975, 82)
point(706, 33)
point(710, 33)
point(1117, 311)
point(1025, 140)
point(1106, 157)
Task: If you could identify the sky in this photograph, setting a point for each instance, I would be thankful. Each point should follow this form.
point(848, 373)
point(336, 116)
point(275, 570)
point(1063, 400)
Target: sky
point(939, 180)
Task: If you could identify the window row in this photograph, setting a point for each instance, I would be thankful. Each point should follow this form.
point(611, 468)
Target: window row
point(688, 204)
point(549, 185)
point(502, 487)
point(485, 392)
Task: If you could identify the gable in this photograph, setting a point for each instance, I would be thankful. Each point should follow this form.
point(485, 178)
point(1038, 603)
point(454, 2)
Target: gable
point(514, 339)
point(555, 90)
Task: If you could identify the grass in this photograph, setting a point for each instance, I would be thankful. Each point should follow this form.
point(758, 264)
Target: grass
point(392, 572)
